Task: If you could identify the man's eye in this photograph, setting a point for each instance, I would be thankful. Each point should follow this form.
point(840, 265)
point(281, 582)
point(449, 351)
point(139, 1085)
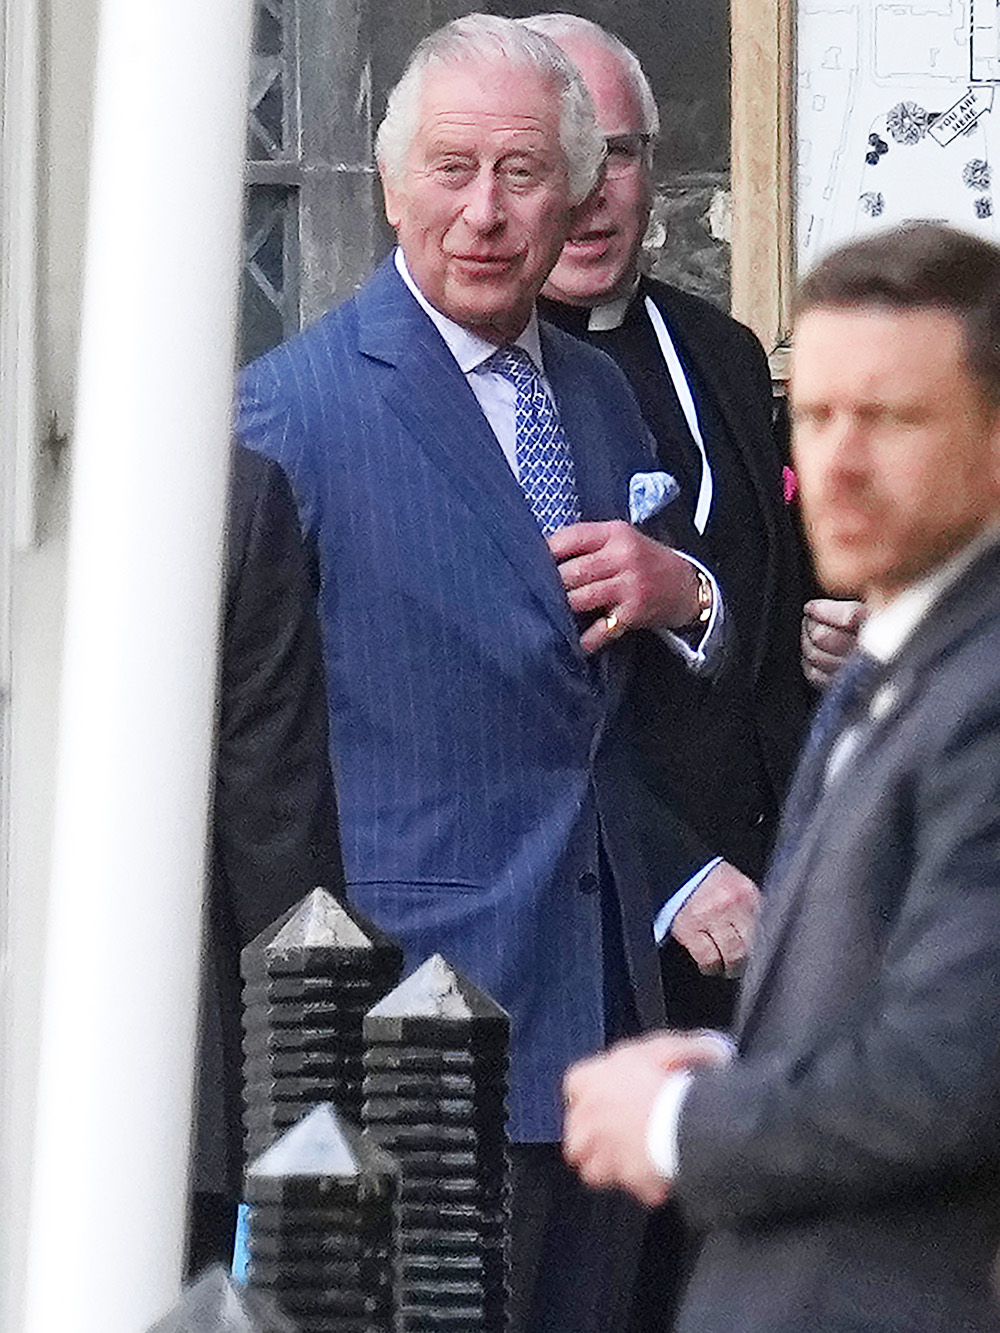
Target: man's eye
point(809, 416)
point(519, 173)
point(452, 169)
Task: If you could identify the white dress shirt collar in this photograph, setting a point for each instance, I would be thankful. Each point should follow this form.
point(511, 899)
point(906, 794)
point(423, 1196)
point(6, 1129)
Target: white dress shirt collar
point(468, 349)
point(885, 632)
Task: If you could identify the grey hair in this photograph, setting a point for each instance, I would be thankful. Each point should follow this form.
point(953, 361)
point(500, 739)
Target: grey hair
point(485, 37)
point(573, 26)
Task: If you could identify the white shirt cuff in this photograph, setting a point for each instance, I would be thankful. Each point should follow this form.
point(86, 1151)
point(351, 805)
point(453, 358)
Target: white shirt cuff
point(663, 1126)
point(700, 656)
point(664, 1119)
point(664, 918)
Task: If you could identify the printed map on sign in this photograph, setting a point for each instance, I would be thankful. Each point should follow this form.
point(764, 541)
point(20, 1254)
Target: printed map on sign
point(898, 117)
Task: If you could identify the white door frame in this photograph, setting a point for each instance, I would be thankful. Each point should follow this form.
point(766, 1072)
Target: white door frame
point(20, 120)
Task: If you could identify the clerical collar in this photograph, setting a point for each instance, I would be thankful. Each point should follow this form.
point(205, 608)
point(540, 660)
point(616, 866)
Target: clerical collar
point(611, 315)
point(580, 319)
point(603, 318)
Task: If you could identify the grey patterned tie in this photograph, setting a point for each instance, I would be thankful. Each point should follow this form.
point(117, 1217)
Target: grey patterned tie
point(544, 462)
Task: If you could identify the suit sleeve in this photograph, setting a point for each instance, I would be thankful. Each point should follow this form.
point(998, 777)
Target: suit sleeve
point(270, 407)
point(702, 648)
point(907, 1087)
point(705, 649)
point(275, 817)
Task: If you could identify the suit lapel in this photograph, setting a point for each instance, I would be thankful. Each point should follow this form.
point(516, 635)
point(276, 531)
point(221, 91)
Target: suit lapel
point(972, 599)
point(601, 479)
point(429, 395)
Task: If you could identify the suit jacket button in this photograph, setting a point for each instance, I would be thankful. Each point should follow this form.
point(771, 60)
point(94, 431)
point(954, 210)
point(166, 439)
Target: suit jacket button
point(588, 882)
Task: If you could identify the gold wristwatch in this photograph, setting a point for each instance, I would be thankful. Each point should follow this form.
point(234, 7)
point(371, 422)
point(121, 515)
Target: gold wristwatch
point(705, 597)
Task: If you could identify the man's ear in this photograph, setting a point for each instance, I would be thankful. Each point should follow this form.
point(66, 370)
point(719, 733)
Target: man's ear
point(392, 197)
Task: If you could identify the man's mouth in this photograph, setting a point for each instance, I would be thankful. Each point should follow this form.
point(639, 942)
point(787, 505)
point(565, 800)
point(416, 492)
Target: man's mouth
point(589, 242)
point(484, 262)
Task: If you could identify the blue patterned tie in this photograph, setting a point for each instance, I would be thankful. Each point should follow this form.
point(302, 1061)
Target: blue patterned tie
point(544, 462)
point(845, 700)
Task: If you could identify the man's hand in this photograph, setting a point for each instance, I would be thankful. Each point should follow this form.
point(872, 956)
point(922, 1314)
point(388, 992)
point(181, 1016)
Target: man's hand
point(609, 1099)
point(829, 634)
point(716, 923)
point(612, 568)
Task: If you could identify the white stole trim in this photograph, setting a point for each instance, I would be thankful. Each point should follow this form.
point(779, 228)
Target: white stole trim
point(686, 399)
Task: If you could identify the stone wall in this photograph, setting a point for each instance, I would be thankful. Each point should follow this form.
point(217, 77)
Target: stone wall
point(688, 238)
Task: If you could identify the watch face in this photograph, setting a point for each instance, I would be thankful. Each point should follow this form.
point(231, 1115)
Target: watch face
point(704, 596)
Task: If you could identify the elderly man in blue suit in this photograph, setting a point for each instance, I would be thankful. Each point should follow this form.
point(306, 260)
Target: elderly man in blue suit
point(464, 475)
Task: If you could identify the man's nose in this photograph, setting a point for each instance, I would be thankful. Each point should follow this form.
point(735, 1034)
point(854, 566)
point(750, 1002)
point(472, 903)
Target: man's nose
point(588, 210)
point(483, 208)
point(846, 447)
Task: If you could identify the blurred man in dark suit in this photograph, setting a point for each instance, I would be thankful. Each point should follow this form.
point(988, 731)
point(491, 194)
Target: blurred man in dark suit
point(847, 1162)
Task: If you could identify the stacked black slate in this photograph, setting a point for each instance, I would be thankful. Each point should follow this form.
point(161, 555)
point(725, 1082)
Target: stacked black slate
point(321, 1226)
point(308, 981)
point(213, 1304)
point(435, 1082)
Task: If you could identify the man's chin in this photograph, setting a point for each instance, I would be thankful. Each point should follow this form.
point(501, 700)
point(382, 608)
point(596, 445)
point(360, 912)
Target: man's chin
point(494, 320)
point(841, 577)
point(585, 288)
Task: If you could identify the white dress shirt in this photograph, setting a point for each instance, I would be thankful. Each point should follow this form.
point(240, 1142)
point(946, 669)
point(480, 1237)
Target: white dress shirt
point(495, 394)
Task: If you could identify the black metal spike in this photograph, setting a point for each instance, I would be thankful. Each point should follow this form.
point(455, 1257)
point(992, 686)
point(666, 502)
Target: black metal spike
point(435, 1082)
point(308, 981)
point(320, 1233)
point(213, 1304)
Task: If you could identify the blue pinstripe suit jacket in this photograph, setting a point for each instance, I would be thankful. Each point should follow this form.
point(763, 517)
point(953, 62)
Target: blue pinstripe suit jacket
point(475, 747)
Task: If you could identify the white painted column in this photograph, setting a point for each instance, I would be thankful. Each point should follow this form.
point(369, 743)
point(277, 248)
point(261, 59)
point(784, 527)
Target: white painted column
point(149, 465)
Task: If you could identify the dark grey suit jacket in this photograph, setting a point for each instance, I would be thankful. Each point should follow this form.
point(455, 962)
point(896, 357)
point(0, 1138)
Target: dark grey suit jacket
point(274, 828)
point(848, 1165)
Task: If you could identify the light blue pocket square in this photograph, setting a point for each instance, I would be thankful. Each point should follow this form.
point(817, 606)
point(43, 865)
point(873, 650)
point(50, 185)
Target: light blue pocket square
point(648, 493)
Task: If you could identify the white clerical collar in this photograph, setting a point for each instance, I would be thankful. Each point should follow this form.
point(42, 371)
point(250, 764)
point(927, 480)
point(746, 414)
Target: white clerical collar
point(609, 316)
point(468, 349)
point(885, 632)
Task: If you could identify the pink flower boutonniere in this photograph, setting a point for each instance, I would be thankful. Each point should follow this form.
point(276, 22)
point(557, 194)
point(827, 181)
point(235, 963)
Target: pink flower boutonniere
point(789, 484)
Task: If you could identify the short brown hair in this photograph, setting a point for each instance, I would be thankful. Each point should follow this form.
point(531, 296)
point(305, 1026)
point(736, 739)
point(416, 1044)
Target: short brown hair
point(920, 265)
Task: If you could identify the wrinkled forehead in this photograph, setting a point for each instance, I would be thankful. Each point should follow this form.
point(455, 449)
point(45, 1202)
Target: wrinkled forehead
point(491, 91)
